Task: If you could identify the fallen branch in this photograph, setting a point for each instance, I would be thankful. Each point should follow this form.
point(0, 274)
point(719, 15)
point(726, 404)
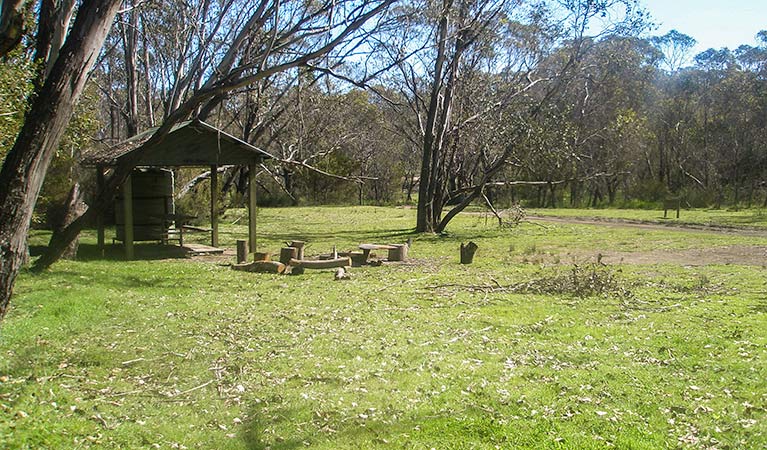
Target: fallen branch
point(321, 264)
point(193, 389)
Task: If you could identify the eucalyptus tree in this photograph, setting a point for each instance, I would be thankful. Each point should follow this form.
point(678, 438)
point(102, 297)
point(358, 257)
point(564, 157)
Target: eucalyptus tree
point(24, 167)
point(675, 48)
point(610, 115)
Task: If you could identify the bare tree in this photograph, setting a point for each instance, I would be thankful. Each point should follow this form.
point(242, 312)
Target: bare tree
point(469, 43)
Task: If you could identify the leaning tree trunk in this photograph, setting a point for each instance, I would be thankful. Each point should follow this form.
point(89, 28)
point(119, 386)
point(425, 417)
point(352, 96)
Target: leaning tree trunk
point(25, 165)
point(75, 207)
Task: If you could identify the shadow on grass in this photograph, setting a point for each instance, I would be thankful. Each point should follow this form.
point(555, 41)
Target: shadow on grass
point(362, 236)
point(474, 429)
point(115, 252)
point(258, 434)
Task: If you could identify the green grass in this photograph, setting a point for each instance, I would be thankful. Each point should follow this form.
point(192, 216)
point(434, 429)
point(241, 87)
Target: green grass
point(175, 353)
point(753, 218)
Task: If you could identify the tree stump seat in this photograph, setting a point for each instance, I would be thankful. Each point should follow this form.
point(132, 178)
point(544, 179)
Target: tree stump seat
point(397, 252)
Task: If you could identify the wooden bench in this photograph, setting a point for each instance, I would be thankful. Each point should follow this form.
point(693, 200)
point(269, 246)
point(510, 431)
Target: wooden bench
point(177, 234)
point(671, 204)
point(173, 234)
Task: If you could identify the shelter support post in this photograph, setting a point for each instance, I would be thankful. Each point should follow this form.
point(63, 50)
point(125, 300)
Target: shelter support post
point(128, 213)
point(100, 215)
point(252, 207)
point(214, 205)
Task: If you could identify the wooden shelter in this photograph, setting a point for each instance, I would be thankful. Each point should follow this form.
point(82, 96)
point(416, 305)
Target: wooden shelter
point(189, 144)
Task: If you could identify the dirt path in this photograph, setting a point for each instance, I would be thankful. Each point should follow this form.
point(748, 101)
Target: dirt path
point(625, 223)
point(751, 255)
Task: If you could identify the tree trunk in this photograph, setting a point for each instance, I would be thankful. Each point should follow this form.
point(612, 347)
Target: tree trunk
point(25, 165)
point(147, 77)
point(552, 195)
point(75, 207)
point(321, 264)
point(11, 25)
point(424, 214)
point(129, 36)
point(53, 25)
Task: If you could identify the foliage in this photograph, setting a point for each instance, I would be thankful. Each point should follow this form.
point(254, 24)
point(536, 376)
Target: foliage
point(16, 74)
point(65, 169)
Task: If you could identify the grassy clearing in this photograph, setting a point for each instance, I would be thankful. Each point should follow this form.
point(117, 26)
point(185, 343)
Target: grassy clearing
point(510, 352)
point(755, 217)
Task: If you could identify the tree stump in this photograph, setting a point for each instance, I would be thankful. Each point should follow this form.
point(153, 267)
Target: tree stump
point(288, 253)
point(299, 245)
point(262, 256)
point(467, 252)
point(398, 253)
point(242, 251)
point(358, 258)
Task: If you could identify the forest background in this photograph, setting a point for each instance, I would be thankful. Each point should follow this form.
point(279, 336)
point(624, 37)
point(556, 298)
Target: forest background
point(639, 119)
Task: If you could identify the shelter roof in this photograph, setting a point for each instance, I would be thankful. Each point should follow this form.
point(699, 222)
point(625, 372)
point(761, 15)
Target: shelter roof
point(192, 143)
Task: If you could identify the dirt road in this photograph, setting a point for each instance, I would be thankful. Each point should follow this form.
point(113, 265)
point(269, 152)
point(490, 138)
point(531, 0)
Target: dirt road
point(752, 255)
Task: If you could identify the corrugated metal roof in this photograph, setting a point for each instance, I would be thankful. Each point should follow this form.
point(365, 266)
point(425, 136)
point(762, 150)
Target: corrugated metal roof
point(192, 143)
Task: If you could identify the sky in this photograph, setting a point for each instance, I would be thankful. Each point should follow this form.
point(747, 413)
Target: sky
point(713, 23)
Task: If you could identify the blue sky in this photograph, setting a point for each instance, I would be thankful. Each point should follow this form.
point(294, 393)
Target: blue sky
point(714, 24)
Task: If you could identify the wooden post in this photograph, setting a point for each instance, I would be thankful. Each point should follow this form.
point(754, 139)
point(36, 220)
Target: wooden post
point(128, 213)
point(252, 207)
point(467, 252)
point(242, 251)
point(100, 215)
point(214, 205)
